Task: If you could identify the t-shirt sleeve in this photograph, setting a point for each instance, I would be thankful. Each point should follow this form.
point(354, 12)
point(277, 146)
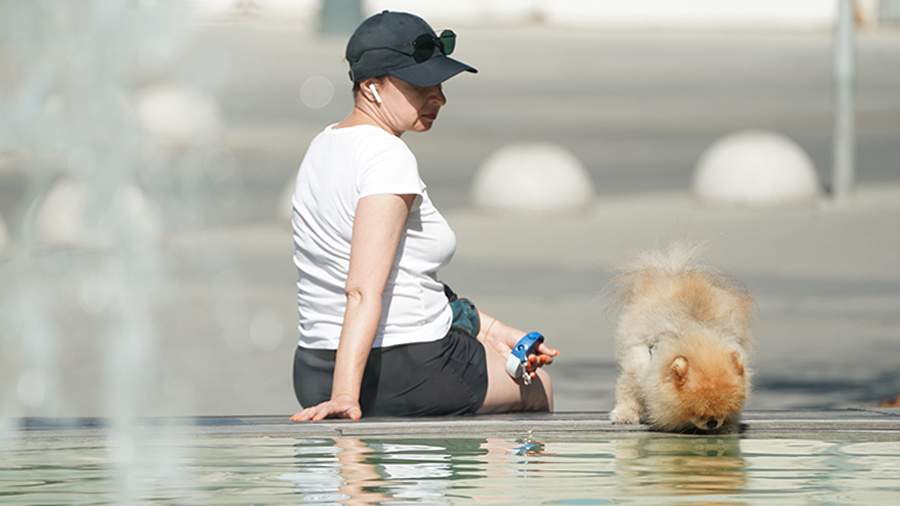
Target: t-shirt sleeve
point(390, 168)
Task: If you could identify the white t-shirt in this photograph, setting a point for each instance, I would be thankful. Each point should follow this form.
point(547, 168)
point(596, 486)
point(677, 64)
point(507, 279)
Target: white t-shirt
point(341, 166)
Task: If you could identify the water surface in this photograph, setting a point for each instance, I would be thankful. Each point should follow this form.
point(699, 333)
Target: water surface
point(184, 467)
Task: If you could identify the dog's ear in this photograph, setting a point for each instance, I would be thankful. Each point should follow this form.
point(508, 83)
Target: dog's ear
point(679, 368)
point(738, 360)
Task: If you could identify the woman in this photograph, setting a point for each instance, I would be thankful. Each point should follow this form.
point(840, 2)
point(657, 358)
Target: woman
point(379, 334)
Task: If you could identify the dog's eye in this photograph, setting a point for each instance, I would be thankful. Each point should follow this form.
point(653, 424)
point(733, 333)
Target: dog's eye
point(650, 349)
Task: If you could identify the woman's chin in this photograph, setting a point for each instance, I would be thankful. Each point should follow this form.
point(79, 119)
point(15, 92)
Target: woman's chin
point(423, 125)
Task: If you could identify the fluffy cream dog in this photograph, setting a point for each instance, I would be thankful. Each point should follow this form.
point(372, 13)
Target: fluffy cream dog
point(682, 345)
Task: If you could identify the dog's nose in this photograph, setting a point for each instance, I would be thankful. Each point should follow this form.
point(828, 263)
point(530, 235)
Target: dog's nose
point(711, 424)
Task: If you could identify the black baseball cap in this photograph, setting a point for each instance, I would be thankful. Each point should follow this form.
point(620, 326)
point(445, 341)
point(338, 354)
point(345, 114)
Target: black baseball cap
point(402, 45)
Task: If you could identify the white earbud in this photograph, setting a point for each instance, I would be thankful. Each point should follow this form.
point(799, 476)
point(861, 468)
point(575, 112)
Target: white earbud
point(374, 91)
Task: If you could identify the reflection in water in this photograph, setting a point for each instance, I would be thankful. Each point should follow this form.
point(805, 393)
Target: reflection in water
point(502, 470)
point(359, 479)
point(640, 469)
point(678, 465)
point(562, 468)
point(529, 446)
point(318, 476)
point(356, 471)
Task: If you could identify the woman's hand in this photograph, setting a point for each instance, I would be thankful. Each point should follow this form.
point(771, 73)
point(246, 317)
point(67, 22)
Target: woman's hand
point(501, 338)
point(339, 407)
point(545, 355)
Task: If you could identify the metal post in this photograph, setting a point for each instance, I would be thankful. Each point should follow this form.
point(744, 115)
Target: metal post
point(843, 169)
point(340, 16)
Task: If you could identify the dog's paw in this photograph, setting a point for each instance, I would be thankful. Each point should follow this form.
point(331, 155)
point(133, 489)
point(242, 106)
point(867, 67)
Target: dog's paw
point(624, 415)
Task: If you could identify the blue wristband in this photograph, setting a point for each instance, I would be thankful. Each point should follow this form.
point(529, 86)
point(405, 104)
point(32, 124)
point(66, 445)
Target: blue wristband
point(518, 357)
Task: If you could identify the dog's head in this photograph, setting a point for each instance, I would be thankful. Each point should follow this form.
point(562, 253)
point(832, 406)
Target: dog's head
point(700, 383)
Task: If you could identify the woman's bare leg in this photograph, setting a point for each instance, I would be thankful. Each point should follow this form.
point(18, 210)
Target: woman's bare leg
point(504, 394)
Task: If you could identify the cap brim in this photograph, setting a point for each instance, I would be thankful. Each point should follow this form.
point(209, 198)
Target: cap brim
point(433, 71)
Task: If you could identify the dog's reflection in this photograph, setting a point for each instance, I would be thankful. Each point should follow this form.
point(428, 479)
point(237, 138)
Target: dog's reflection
point(655, 465)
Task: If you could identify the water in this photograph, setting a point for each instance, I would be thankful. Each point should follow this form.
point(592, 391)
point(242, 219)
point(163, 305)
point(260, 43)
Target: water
point(240, 467)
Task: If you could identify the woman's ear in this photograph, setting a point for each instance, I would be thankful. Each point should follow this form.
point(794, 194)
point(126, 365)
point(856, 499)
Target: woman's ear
point(369, 89)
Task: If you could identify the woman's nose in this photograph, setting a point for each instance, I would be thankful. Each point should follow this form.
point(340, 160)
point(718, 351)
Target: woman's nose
point(438, 94)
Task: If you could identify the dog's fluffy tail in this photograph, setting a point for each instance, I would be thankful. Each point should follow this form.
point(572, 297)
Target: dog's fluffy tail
point(677, 258)
point(679, 264)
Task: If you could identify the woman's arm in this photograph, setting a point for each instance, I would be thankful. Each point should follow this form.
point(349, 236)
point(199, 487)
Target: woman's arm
point(377, 229)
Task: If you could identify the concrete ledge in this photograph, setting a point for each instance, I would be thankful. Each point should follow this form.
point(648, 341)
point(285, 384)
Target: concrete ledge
point(756, 423)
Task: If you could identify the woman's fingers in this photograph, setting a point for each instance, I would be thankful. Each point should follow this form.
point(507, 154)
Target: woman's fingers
point(532, 364)
point(547, 350)
point(321, 411)
point(313, 413)
point(301, 416)
point(537, 361)
point(328, 409)
point(321, 415)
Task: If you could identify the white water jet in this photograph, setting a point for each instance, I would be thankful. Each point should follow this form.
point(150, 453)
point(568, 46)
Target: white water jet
point(73, 65)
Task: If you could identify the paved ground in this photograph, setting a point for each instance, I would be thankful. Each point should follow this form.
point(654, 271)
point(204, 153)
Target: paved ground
point(203, 323)
point(771, 424)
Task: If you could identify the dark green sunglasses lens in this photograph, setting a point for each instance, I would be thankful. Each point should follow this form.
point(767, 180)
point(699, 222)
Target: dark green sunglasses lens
point(448, 41)
point(423, 48)
point(424, 45)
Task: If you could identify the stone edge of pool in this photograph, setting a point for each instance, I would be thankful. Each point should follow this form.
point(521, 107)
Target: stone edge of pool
point(754, 422)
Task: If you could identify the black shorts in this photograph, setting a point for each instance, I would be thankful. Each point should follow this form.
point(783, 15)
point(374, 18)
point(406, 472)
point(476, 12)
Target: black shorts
point(443, 377)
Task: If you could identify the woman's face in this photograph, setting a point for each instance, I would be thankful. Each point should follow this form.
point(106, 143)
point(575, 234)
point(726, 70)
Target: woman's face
point(406, 107)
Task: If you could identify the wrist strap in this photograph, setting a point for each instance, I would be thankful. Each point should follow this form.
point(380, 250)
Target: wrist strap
point(518, 357)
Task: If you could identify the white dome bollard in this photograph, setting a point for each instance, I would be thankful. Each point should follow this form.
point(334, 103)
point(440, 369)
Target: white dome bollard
point(178, 116)
point(65, 219)
point(755, 167)
point(532, 177)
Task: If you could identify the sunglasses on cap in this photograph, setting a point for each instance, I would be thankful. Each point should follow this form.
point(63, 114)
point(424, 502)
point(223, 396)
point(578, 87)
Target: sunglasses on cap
point(424, 46)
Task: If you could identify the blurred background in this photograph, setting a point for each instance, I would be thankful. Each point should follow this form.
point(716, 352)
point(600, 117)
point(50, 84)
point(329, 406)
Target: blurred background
point(148, 150)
